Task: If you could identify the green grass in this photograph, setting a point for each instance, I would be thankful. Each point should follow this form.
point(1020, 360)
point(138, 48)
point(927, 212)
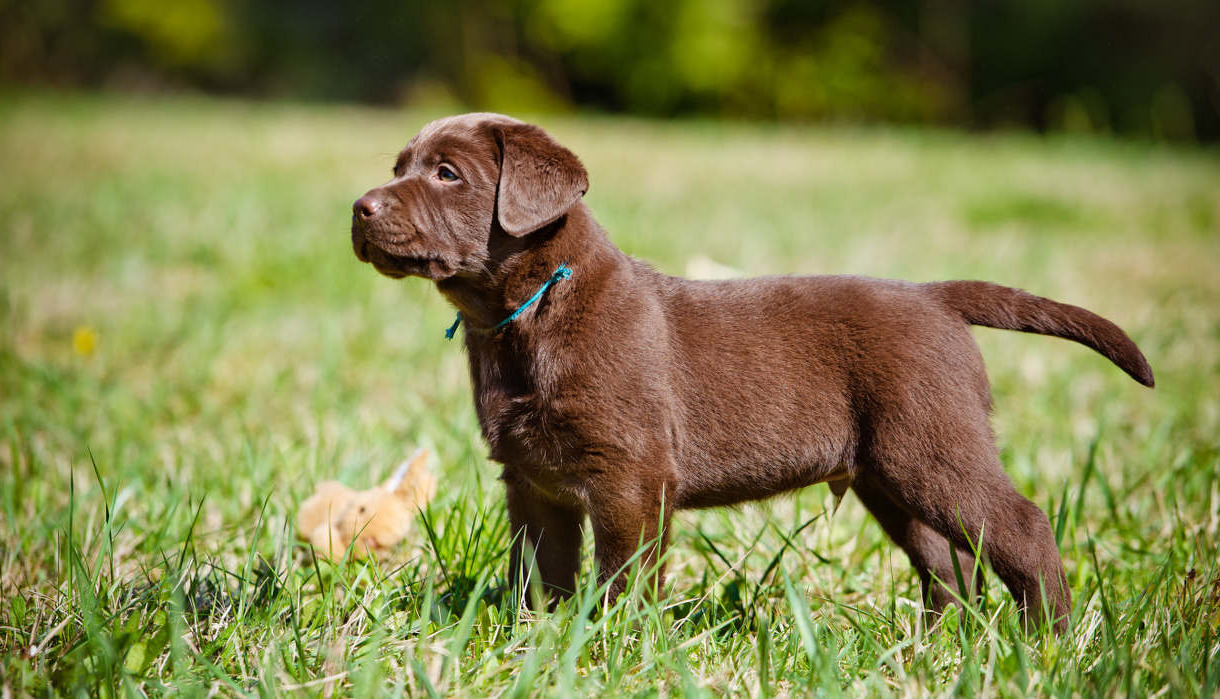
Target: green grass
point(148, 488)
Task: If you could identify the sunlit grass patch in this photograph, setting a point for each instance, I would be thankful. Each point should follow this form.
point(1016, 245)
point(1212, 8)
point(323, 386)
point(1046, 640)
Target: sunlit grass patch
point(187, 345)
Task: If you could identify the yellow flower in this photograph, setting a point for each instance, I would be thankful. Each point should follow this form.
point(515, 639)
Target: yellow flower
point(84, 340)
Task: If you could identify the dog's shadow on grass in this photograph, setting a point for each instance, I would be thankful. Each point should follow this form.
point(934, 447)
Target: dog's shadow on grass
point(731, 608)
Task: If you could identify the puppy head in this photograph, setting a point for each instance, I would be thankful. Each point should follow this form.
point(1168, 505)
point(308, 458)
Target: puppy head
point(459, 183)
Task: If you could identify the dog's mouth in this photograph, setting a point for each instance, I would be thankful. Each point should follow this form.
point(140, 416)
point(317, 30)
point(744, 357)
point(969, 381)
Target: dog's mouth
point(399, 261)
point(399, 267)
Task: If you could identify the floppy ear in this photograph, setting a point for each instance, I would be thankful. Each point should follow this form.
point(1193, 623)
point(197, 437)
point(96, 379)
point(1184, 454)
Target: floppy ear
point(539, 179)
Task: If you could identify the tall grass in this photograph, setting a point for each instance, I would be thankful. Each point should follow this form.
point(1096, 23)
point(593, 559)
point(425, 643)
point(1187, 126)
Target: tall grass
point(187, 345)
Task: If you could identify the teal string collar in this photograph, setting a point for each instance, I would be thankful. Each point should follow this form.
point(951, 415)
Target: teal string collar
point(563, 271)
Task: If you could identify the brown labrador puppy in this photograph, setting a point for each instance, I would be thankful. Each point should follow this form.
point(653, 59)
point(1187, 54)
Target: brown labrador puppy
point(621, 393)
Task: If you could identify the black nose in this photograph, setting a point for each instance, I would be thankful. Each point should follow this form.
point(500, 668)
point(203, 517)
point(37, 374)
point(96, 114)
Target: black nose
point(366, 207)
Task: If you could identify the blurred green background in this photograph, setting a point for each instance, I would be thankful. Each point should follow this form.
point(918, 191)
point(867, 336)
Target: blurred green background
point(1139, 67)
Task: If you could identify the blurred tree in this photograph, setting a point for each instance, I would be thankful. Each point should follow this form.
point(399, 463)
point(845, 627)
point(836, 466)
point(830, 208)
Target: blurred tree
point(181, 33)
point(1123, 66)
point(849, 67)
point(1043, 60)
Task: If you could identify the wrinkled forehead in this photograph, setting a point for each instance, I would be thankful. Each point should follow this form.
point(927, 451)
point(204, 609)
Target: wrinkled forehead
point(475, 122)
point(467, 136)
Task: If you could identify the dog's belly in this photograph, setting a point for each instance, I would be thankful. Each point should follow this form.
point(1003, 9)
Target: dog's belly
point(765, 409)
point(756, 436)
point(770, 459)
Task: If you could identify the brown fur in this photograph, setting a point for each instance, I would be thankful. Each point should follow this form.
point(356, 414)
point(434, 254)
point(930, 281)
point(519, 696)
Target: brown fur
point(626, 393)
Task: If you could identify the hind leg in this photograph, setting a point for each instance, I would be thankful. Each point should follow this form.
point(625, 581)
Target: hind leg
point(948, 475)
point(929, 552)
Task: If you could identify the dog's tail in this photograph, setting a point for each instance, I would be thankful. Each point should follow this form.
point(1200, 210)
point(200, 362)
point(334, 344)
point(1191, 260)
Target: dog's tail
point(995, 306)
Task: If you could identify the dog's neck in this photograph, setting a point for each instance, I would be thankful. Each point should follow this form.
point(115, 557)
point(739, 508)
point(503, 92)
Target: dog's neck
point(519, 266)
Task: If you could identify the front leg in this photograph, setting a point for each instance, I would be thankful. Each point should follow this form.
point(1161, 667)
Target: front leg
point(627, 514)
point(546, 535)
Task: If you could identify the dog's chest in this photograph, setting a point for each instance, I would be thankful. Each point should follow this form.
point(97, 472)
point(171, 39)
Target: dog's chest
point(520, 421)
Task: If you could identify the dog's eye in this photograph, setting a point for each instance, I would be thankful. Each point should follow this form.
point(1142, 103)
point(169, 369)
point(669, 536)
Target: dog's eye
point(444, 174)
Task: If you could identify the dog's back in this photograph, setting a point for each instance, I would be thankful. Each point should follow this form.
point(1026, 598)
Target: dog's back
point(778, 377)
